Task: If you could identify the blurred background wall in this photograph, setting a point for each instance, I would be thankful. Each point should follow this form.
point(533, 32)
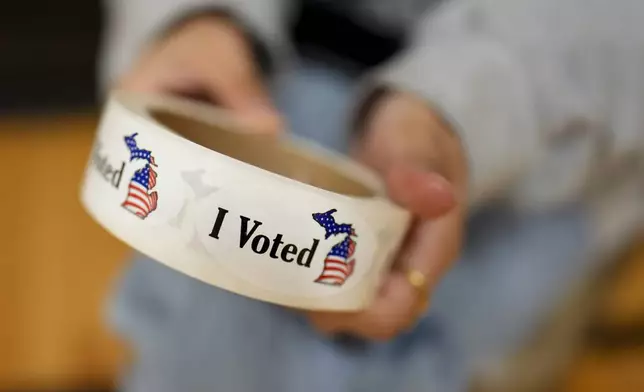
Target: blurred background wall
point(57, 266)
point(47, 54)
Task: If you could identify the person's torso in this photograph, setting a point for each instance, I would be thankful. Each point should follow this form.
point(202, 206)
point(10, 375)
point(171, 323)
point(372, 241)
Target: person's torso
point(363, 32)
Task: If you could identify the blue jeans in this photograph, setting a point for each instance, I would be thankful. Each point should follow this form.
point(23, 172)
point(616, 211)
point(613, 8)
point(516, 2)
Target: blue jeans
point(192, 337)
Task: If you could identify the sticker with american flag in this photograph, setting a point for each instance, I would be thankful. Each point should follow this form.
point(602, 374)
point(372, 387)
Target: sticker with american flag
point(339, 262)
point(141, 197)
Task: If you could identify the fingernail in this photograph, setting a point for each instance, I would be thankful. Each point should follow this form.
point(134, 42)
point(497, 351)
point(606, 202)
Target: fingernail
point(438, 183)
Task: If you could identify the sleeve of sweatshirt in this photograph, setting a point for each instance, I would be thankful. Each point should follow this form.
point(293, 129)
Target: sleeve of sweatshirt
point(480, 88)
point(517, 78)
point(130, 24)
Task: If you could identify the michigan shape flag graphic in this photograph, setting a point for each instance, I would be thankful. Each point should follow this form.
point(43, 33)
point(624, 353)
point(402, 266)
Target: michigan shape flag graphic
point(141, 197)
point(339, 262)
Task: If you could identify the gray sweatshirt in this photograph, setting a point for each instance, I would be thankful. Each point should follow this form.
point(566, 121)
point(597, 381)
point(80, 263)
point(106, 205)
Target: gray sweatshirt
point(547, 95)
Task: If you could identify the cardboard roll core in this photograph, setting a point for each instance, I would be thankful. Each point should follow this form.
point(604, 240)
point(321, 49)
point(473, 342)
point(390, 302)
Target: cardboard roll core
point(266, 152)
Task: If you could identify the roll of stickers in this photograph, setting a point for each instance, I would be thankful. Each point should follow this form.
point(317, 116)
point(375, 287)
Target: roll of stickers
point(277, 219)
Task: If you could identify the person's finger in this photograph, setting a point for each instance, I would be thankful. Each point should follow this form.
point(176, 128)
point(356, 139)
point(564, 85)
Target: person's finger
point(237, 85)
point(250, 105)
point(434, 245)
point(388, 314)
point(431, 248)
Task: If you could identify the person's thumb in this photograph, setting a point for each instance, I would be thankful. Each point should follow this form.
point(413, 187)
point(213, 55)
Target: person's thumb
point(413, 173)
point(425, 193)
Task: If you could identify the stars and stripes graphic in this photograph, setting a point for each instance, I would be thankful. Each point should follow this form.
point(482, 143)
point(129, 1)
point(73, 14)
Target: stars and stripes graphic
point(136, 152)
point(141, 199)
point(339, 262)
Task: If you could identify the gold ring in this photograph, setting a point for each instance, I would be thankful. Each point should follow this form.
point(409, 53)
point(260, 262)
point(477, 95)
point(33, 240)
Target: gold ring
point(419, 281)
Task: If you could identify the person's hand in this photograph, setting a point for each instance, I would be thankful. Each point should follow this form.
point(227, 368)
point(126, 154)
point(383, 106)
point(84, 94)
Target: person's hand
point(207, 58)
point(425, 171)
